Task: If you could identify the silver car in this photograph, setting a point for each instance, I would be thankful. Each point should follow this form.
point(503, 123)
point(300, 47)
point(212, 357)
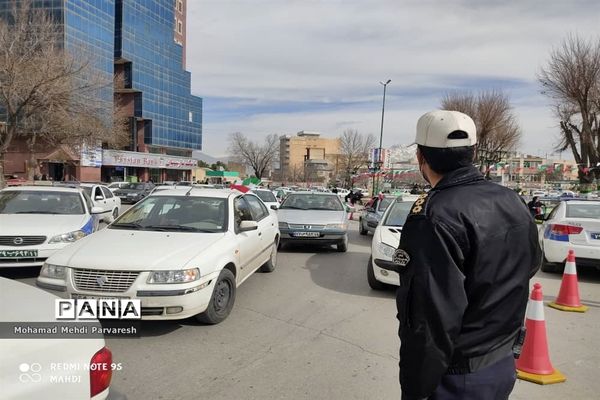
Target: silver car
point(314, 218)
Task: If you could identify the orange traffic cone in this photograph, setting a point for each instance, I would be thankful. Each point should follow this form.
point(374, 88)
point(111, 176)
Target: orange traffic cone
point(568, 296)
point(534, 363)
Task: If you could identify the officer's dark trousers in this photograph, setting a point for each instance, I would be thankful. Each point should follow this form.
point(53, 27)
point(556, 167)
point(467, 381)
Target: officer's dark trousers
point(494, 382)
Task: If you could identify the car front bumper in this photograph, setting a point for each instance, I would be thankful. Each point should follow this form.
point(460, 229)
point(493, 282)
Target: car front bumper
point(324, 236)
point(159, 301)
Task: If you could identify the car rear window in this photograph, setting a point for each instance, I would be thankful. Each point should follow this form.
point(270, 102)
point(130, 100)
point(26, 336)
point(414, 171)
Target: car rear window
point(266, 196)
point(591, 210)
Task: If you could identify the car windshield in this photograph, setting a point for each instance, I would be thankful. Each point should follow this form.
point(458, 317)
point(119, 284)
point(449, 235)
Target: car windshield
point(312, 202)
point(591, 210)
point(177, 214)
point(134, 186)
point(396, 216)
point(41, 202)
point(88, 190)
point(266, 196)
point(385, 203)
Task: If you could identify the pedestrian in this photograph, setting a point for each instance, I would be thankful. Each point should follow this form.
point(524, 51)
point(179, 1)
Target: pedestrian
point(535, 206)
point(334, 190)
point(467, 252)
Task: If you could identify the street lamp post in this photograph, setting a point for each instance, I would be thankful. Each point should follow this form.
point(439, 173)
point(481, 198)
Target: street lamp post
point(379, 162)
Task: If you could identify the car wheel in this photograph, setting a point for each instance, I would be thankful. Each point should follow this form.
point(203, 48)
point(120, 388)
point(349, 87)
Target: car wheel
point(269, 266)
point(548, 266)
point(361, 228)
point(373, 282)
point(221, 301)
point(342, 246)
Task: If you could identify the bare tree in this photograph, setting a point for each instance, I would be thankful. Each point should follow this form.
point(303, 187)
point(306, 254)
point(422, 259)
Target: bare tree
point(47, 96)
point(571, 79)
point(295, 173)
point(354, 148)
point(498, 131)
point(259, 157)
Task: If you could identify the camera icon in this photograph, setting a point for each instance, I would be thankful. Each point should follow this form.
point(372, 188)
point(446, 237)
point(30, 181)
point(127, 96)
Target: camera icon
point(30, 373)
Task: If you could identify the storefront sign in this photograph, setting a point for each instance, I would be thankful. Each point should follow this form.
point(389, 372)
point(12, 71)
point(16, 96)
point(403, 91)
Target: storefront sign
point(91, 156)
point(146, 160)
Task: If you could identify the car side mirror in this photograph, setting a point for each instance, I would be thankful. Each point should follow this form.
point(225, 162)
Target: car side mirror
point(274, 207)
point(97, 210)
point(246, 226)
point(98, 198)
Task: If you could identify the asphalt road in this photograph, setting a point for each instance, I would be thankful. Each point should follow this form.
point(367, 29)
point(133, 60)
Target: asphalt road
point(313, 329)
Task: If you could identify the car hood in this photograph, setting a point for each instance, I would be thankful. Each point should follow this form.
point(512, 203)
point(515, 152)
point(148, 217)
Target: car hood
point(40, 224)
point(389, 235)
point(130, 250)
point(311, 216)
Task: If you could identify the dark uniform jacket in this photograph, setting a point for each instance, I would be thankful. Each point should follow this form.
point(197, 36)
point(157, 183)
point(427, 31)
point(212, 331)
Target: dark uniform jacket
point(469, 248)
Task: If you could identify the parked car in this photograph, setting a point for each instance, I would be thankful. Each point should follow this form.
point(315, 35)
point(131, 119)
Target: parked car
point(134, 192)
point(572, 224)
point(314, 218)
point(192, 250)
point(35, 222)
point(371, 215)
point(538, 193)
point(117, 185)
point(26, 369)
point(267, 197)
point(103, 198)
point(385, 242)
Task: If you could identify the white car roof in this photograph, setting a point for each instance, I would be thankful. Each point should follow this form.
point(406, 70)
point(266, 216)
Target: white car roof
point(42, 189)
point(197, 192)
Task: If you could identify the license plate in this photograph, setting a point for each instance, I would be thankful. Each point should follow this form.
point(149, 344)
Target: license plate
point(91, 297)
point(595, 235)
point(306, 234)
point(18, 253)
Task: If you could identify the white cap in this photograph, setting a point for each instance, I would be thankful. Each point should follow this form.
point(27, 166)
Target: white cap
point(435, 127)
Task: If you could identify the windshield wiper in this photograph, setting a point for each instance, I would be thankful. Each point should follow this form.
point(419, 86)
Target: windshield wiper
point(127, 225)
point(291, 208)
point(323, 209)
point(182, 228)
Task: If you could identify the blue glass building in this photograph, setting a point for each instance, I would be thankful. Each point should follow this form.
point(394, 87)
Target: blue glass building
point(153, 70)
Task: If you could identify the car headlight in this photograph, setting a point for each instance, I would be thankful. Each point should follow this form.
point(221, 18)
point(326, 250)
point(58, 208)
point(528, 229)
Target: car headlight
point(69, 237)
point(386, 250)
point(284, 225)
point(175, 276)
point(53, 271)
point(337, 226)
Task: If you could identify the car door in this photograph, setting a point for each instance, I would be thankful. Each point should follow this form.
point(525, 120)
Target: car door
point(266, 226)
point(99, 199)
point(248, 242)
point(111, 200)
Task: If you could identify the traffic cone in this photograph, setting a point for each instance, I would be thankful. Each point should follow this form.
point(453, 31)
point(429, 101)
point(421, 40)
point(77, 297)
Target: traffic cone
point(568, 296)
point(534, 363)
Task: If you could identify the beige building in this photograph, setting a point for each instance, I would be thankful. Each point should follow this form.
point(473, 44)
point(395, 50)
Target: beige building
point(309, 157)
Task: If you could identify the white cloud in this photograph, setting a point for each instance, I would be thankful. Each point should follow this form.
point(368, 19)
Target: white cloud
point(309, 53)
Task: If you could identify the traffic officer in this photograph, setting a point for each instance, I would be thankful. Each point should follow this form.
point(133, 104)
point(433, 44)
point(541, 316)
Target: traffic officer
point(467, 252)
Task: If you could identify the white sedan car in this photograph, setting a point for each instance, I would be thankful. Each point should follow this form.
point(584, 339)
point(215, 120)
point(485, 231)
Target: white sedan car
point(28, 368)
point(572, 224)
point(267, 197)
point(104, 199)
point(36, 221)
point(182, 253)
point(386, 239)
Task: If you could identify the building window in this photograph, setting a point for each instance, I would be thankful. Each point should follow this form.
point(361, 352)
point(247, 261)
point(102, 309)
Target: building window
point(179, 27)
point(180, 6)
point(191, 117)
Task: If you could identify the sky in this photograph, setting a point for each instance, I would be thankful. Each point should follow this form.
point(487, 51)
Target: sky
point(283, 66)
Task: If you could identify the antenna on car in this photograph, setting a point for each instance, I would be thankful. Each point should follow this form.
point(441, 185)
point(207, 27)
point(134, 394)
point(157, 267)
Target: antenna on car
point(188, 192)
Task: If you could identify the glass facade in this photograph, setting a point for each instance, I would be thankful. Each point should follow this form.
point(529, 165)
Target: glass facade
point(145, 38)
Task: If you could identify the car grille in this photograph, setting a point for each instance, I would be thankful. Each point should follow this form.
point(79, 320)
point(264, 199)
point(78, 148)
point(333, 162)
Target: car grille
point(21, 240)
point(104, 281)
point(22, 260)
point(308, 227)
